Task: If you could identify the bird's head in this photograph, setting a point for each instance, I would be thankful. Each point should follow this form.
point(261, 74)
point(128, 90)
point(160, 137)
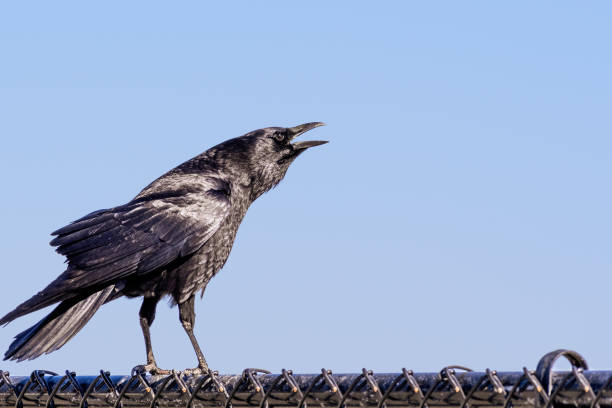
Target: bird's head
point(272, 150)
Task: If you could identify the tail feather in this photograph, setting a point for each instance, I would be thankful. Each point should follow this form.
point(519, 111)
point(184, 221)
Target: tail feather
point(33, 304)
point(67, 288)
point(55, 292)
point(59, 326)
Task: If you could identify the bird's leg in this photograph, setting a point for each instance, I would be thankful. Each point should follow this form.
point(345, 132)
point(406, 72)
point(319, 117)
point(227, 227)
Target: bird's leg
point(187, 316)
point(147, 315)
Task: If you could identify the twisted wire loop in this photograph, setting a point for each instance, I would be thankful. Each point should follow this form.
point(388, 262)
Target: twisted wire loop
point(449, 388)
point(5, 381)
point(372, 392)
point(247, 384)
point(453, 386)
point(208, 384)
point(180, 391)
point(35, 387)
point(406, 381)
point(494, 391)
point(285, 385)
point(66, 381)
point(317, 386)
point(96, 385)
point(575, 376)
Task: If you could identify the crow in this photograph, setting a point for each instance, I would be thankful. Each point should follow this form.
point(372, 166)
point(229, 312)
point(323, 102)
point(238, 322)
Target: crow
point(170, 240)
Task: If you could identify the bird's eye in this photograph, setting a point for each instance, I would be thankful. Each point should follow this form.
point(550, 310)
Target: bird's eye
point(279, 136)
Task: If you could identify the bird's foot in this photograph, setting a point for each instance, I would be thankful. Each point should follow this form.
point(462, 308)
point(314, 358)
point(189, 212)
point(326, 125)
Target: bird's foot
point(201, 369)
point(150, 368)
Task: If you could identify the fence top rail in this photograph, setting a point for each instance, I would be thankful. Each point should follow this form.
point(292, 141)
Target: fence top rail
point(452, 386)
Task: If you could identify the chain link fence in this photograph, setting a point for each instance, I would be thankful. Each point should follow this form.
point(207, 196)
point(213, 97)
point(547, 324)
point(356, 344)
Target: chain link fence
point(453, 386)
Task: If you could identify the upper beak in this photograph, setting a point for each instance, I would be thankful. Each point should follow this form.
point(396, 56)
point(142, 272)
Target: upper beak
point(298, 130)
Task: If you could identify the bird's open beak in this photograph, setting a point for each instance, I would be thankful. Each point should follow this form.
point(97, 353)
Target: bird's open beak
point(298, 130)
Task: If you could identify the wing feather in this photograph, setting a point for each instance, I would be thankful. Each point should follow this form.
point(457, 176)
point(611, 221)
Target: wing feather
point(163, 223)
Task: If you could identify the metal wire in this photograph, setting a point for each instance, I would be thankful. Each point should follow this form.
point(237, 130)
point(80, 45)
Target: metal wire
point(453, 386)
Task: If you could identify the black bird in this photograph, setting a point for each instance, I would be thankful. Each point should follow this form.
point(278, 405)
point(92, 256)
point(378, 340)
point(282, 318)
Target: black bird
point(170, 240)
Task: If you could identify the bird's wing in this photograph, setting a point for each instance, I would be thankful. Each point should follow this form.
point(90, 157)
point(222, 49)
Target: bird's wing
point(156, 228)
point(167, 221)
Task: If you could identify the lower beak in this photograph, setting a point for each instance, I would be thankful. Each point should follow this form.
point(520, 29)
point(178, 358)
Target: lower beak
point(300, 129)
point(308, 143)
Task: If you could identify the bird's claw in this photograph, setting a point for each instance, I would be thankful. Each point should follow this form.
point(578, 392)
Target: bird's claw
point(150, 368)
point(198, 371)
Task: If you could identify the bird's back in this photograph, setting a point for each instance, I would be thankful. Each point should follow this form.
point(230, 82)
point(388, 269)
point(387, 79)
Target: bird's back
point(187, 275)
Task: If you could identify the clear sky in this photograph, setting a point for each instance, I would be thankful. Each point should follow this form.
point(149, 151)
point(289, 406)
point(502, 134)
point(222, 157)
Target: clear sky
point(461, 213)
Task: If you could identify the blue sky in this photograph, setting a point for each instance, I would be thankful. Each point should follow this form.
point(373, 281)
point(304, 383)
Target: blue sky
point(459, 215)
